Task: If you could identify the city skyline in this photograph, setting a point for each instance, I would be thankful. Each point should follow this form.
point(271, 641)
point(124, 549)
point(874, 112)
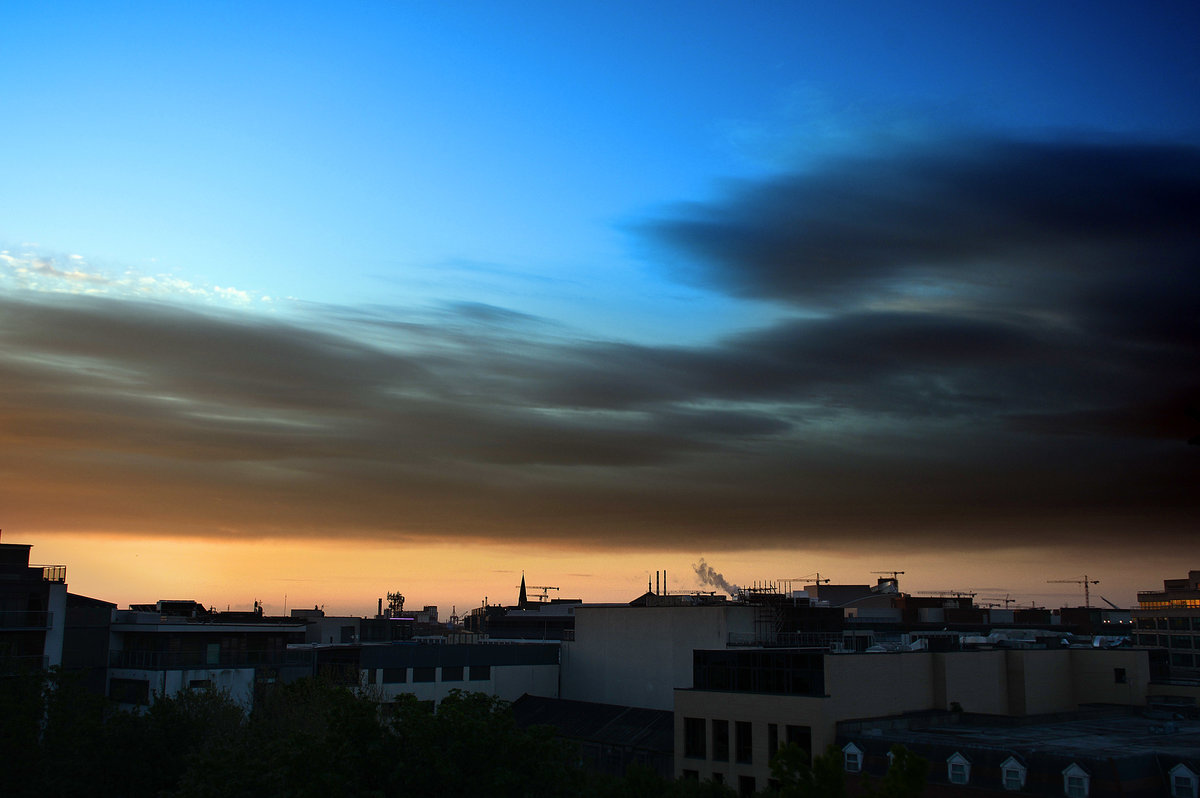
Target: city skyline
point(414, 298)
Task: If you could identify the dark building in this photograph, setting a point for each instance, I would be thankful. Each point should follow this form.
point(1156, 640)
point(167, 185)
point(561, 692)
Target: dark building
point(33, 605)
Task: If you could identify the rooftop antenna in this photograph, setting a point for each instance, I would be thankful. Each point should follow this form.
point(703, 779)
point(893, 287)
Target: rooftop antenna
point(1087, 596)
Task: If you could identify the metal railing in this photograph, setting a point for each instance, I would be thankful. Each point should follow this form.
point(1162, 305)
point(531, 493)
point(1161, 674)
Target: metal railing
point(196, 660)
point(26, 619)
point(52, 573)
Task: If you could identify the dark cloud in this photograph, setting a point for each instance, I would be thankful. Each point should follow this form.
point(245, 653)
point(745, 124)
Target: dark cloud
point(993, 215)
point(991, 344)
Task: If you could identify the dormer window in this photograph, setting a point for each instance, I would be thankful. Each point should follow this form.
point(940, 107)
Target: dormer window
point(1076, 781)
point(852, 758)
point(1012, 774)
point(958, 769)
point(1182, 781)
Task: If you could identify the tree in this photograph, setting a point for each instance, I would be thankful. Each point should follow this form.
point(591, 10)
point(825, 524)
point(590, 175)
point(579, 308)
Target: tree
point(824, 778)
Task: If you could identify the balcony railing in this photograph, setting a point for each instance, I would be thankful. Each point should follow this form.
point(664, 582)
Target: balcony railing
point(52, 573)
point(25, 619)
point(199, 660)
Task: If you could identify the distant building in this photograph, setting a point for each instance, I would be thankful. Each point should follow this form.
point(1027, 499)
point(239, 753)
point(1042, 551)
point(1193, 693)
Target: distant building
point(430, 672)
point(1170, 619)
point(160, 649)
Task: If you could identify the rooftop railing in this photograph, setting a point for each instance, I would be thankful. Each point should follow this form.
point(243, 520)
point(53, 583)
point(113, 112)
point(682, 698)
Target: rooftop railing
point(53, 573)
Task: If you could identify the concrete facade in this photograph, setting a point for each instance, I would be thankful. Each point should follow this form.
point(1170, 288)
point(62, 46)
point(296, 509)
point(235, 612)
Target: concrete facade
point(637, 656)
point(996, 682)
point(429, 673)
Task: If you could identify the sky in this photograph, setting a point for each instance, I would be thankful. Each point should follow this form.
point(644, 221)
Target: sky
point(306, 303)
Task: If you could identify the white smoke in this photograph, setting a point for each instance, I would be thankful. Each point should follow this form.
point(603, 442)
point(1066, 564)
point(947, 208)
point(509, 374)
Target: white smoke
point(708, 576)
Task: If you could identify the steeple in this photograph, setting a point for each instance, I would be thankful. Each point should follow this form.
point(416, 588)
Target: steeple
point(522, 599)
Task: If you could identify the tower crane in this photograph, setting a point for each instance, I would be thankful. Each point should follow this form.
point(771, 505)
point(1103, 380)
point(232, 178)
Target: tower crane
point(544, 596)
point(1087, 595)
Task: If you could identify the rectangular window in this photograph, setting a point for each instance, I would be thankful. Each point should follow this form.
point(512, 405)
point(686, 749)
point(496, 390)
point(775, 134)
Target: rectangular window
point(801, 736)
point(1181, 787)
point(851, 761)
point(695, 744)
point(395, 675)
point(745, 742)
point(720, 738)
point(772, 738)
point(480, 673)
point(1076, 787)
point(1119, 676)
point(129, 691)
point(452, 673)
point(958, 773)
point(424, 674)
point(199, 684)
point(1012, 779)
point(691, 775)
point(746, 787)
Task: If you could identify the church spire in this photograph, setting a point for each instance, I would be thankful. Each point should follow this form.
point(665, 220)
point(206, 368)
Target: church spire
point(522, 599)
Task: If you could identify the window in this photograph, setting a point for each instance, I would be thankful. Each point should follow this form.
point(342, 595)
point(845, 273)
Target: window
point(746, 787)
point(1012, 774)
point(852, 758)
point(958, 769)
point(395, 675)
point(691, 775)
point(720, 738)
point(480, 673)
point(452, 673)
point(695, 744)
point(424, 674)
point(801, 736)
point(1182, 781)
point(745, 742)
point(1076, 781)
point(1119, 676)
point(772, 739)
point(199, 684)
point(129, 691)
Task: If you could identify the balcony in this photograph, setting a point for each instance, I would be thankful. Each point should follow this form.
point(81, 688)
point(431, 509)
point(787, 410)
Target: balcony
point(25, 620)
point(199, 660)
point(52, 573)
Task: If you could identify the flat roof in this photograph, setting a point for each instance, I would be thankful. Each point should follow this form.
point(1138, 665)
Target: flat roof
point(1116, 735)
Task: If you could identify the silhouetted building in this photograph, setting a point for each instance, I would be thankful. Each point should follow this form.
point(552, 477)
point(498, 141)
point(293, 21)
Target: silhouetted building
point(33, 604)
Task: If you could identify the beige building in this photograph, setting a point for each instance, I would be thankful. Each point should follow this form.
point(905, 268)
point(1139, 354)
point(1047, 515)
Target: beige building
point(746, 703)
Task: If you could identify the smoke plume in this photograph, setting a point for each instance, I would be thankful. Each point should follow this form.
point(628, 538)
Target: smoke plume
point(708, 576)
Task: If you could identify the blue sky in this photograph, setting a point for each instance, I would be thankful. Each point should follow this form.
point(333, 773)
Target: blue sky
point(608, 270)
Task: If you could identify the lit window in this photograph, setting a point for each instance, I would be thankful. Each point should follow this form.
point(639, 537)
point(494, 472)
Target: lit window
point(852, 757)
point(958, 769)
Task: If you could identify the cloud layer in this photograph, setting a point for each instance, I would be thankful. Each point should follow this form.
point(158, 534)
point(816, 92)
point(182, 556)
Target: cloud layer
point(985, 343)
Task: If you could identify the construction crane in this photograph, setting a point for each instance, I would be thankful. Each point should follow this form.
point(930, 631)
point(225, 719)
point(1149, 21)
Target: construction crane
point(1008, 600)
point(810, 579)
point(542, 597)
point(895, 574)
point(1087, 594)
point(948, 593)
